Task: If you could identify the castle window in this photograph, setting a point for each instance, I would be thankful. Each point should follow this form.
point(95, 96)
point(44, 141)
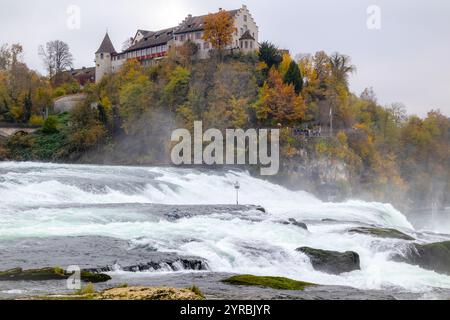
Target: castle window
point(251, 44)
point(246, 44)
point(176, 38)
point(245, 18)
point(101, 56)
point(182, 38)
point(198, 35)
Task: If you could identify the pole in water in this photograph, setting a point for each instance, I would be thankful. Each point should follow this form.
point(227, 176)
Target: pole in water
point(237, 186)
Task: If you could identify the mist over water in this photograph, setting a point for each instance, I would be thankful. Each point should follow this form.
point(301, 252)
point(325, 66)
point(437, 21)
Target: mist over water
point(47, 200)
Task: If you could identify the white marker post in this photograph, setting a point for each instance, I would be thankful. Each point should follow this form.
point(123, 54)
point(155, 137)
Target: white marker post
point(237, 186)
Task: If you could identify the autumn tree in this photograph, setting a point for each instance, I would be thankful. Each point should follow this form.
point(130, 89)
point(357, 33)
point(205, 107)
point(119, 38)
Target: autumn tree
point(285, 63)
point(341, 67)
point(278, 102)
point(234, 90)
point(177, 88)
point(219, 29)
point(10, 55)
point(56, 57)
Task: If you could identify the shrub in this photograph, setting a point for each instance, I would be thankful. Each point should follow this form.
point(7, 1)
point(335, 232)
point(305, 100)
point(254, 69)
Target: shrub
point(36, 120)
point(50, 125)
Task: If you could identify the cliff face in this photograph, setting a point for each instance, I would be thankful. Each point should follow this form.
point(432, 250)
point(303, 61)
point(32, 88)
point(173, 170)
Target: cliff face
point(326, 178)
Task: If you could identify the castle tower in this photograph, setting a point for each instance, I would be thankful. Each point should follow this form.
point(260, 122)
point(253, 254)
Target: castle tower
point(103, 59)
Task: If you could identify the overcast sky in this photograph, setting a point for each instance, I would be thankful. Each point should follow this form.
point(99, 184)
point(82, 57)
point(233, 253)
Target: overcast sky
point(407, 60)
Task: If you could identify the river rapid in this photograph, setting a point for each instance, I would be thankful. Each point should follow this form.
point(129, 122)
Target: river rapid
point(42, 201)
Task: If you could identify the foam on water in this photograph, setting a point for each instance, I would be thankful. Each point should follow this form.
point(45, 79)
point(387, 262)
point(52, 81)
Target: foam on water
point(42, 200)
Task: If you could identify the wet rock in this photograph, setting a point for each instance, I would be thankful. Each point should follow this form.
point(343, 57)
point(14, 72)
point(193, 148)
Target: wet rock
point(332, 262)
point(294, 223)
point(93, 254)
point(179, 264)
point(263, 210)
point(382, 233)
point(47, 274)
point(298, 224)
point(434, 256)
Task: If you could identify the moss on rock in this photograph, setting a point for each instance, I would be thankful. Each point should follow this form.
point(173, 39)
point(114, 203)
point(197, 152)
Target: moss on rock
point(46, 274)
point(268, 282)
point(382, 233)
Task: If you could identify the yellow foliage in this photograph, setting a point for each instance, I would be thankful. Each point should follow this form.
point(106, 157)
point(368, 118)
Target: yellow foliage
point(219, 29)
point(284, 66)
point(278, 102)
point(36, 120)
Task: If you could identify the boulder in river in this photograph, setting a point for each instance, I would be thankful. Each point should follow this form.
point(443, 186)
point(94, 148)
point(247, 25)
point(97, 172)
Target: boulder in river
point(382, 233)
point(298, 224)
point(293, 222)
point(332, 262)
point(434, 256)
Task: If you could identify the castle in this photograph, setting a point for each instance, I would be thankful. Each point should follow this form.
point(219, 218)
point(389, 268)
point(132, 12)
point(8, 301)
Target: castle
point(150, 46)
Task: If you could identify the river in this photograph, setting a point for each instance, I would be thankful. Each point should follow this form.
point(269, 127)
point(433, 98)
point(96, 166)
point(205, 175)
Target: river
point(51, 201)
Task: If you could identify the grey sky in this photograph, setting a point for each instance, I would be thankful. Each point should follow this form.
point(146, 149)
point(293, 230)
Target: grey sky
point(406, 61)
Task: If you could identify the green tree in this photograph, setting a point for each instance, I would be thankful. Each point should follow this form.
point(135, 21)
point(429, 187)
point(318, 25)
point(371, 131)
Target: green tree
point(294, 77)
point(269, 54)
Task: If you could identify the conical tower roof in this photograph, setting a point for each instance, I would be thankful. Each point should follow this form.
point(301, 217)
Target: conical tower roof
point(106, 46)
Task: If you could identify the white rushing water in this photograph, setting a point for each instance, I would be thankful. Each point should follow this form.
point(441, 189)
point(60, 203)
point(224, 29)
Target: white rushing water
point(43, 200)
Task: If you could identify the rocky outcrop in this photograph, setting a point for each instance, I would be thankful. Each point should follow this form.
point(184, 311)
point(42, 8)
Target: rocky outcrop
point(332, 262)
point(131, 293)
point(434, 256)
point(47, 274)
point(382, 233)
point(144, 293)
point(68, 103)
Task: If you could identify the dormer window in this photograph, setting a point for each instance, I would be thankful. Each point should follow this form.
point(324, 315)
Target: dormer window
point(101, 56)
